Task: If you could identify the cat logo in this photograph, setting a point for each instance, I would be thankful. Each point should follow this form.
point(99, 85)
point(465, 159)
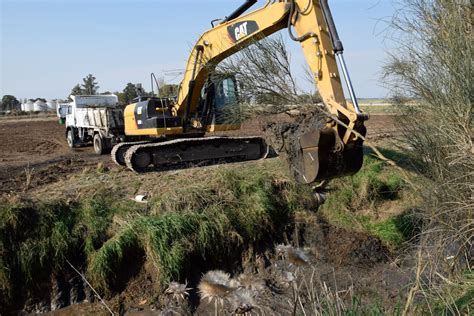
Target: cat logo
point(241, 30)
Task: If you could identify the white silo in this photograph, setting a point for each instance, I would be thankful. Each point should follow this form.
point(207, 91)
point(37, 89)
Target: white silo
point(29, 106)
point(39, 106)
point(51, 104)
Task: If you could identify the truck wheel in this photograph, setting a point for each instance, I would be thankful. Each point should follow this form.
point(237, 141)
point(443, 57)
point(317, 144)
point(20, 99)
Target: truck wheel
point(70, 139)
point(99, 145)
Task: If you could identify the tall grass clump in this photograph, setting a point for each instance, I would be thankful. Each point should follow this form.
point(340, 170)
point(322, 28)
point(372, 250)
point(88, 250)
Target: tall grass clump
point(36, 239)
point(233, 211)
point(432, 67)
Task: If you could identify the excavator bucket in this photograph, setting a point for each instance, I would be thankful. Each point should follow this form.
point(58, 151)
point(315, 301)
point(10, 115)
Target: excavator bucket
point(323, 156)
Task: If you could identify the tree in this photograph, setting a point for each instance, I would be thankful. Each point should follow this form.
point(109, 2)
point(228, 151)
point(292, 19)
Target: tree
point(9, 103)
point(264, 73)
point(169, 90)
point(265, 80)
point(89, 85)
point(76, 90)
point(129, 93)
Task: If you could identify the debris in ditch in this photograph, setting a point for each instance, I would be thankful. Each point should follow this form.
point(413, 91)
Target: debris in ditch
point(141, 198)
point(178, 291)
point(216, 285)
point(294, 256)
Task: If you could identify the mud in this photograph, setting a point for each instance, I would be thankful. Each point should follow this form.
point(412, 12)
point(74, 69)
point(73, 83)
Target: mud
point(283, 134)
point(38, 146)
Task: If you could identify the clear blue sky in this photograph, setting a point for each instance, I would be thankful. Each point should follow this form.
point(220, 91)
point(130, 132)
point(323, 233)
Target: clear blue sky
point(47, 46)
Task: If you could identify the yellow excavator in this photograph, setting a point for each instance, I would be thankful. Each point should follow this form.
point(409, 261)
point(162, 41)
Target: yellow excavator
point(175, 131)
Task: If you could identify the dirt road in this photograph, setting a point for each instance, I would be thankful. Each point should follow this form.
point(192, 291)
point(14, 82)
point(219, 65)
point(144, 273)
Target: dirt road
point(39, 148)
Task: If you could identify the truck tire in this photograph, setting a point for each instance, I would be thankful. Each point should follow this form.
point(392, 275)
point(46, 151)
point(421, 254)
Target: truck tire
point(71, 142)
point(99, 144)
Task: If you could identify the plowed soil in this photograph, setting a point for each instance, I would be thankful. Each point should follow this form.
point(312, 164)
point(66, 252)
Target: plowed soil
point(38, 148)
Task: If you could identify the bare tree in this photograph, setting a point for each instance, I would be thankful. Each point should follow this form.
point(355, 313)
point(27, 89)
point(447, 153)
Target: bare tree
point(265, 79)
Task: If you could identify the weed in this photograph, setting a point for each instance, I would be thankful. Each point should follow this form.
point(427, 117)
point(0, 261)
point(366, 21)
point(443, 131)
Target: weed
point(105, 262)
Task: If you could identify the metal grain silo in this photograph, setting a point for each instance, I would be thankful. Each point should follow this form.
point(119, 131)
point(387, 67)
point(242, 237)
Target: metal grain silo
point(29, 106)
point(39, 106)
point(51, 104)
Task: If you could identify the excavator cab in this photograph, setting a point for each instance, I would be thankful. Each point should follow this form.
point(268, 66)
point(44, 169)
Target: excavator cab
point(218, 96)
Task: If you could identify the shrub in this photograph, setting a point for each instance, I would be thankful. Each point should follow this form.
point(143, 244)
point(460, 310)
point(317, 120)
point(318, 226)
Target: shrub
point(433, 69)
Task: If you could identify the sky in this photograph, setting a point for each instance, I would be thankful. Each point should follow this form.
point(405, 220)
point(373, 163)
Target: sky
point(48, 46)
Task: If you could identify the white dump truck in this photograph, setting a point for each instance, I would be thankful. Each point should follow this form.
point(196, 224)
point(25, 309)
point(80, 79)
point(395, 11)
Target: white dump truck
point(95, 119)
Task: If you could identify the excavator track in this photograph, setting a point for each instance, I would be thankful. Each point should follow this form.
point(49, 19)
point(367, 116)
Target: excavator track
point(119, 150)
point(181, 153)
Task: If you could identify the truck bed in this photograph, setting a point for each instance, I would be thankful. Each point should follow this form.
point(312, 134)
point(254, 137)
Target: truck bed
point(107, 119)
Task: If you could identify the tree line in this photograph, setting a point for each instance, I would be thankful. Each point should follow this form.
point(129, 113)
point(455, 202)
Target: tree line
point(90, 86)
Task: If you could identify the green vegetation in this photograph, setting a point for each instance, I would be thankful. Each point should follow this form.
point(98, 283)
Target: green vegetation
point(9, 103)
point(437, 72)
point(237, 210)
point(366, 201)
point(374, 109)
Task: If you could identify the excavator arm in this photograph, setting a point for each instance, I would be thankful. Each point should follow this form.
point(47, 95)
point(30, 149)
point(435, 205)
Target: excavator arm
point(315, 30)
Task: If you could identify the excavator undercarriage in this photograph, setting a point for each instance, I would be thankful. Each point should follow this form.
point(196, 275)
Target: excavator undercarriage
point(185, 152)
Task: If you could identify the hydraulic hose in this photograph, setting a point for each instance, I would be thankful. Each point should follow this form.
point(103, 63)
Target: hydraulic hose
point(238, 12)
point(290, 33)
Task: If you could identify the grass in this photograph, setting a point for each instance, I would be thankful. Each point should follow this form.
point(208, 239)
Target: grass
point(370, 201)
point(221, 213)
point(221, 218)
point(238, 209)
point(378, 109)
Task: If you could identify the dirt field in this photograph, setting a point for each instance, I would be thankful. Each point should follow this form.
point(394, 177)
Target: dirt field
point(38, 147)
